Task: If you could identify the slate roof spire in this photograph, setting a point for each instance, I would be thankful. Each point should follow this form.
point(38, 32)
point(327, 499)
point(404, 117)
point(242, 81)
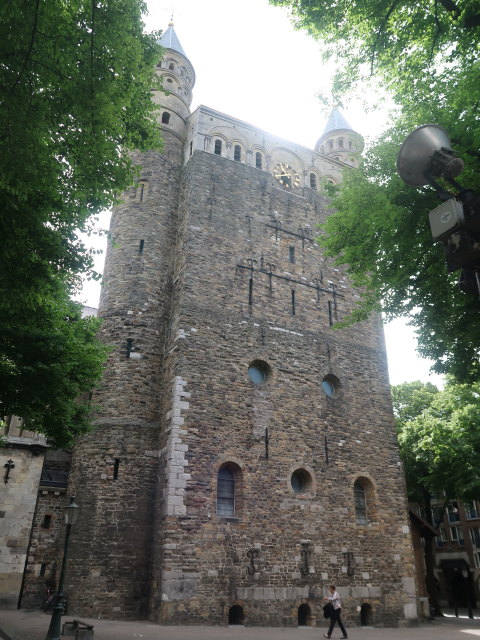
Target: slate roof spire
point(336, 121)
point(169, 40)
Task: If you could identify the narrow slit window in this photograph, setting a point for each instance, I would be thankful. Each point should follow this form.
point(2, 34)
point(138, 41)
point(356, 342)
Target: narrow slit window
point(142, 187)
point(165, 117)
point(47, 521)
point(313, 181)
point(116, 467)
point(140, 246)
point(291, 255)
point(218, 147)
point(129, 346)
point(43, 568)
point(191, 148)
point(237, 153)
point(293, 302)
point(330, 313)
point(258, 160)
point(250, 292)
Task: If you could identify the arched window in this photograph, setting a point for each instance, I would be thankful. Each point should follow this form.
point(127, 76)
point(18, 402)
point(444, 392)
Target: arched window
point(360, 499)
point(349, 144)
point(340, 143)
point(226, 492)
point(237, 153)
point(313, 181)
point(258, 160)
point(165, 117)
point(330, 144)
point(218, 147)
point(322, 149)
point(171, 66)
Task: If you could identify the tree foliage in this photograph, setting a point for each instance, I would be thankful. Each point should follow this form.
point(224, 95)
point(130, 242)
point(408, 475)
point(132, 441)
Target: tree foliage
point(439, 438)
point(48, 366)
point(75, 99)
point(427, 56)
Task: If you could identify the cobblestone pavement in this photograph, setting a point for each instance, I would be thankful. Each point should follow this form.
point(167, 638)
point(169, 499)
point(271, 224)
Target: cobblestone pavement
point(33, 625)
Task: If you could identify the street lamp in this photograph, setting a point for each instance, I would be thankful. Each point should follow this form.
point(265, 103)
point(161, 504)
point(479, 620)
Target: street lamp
point(53, 633)
point(425, 156)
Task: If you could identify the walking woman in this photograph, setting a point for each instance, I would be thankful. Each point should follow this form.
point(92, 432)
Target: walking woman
point(336, 616)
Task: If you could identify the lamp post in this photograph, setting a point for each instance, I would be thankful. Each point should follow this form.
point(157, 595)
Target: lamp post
point(53, 633)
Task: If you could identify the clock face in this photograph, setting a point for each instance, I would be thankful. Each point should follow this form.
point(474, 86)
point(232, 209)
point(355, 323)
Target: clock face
point(286, 175)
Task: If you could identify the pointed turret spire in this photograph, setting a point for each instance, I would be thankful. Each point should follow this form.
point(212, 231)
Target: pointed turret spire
point(336, 121)
point(339, 141)
point(169, 39)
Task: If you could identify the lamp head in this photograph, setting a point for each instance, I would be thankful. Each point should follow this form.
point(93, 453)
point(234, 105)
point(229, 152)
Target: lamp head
point(425, 154)
point(71, 512)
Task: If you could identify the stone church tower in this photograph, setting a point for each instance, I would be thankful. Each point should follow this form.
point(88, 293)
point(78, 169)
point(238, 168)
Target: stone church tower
point(244, 455)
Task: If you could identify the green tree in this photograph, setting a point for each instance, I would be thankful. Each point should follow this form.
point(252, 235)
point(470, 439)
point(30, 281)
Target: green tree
point(426, 56)
point(75, 99)
point(48, 366)
point(439, 439)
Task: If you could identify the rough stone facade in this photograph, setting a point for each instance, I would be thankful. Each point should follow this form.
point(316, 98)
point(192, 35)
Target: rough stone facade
point(46, 538)
point(21, 461)
point(245, 452)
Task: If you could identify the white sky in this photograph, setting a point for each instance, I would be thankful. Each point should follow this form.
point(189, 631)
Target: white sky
point(251, 64)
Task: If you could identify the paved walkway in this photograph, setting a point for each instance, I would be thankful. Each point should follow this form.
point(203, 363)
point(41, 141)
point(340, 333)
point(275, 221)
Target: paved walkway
point(33, 625)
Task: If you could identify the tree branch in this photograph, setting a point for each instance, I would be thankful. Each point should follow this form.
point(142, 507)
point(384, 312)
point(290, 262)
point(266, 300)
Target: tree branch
point(30, 47)
point(438, 32)
point(379, 32)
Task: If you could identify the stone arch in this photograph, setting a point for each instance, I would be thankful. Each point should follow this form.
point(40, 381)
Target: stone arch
point(284, 155)
point(238, 151)
point(168, 62)
point(366, 615)
point(304, 615)
point(229, 489)
point(170, 83)
point(364, 500)
point(217, 137)
point(259, 152)
point(313, 179)
point(236, 615)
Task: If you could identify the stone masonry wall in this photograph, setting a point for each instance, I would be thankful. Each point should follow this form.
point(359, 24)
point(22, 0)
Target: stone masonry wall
point(17, 506)
point(114, 468)
point(47, 535)
point(256, 559)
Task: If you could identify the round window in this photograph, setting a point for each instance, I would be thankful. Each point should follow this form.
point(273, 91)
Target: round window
point(258, 372)
point(301, 480)
point(330, 385)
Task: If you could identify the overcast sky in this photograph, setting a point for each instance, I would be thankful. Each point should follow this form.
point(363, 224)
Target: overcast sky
point(251, 64)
